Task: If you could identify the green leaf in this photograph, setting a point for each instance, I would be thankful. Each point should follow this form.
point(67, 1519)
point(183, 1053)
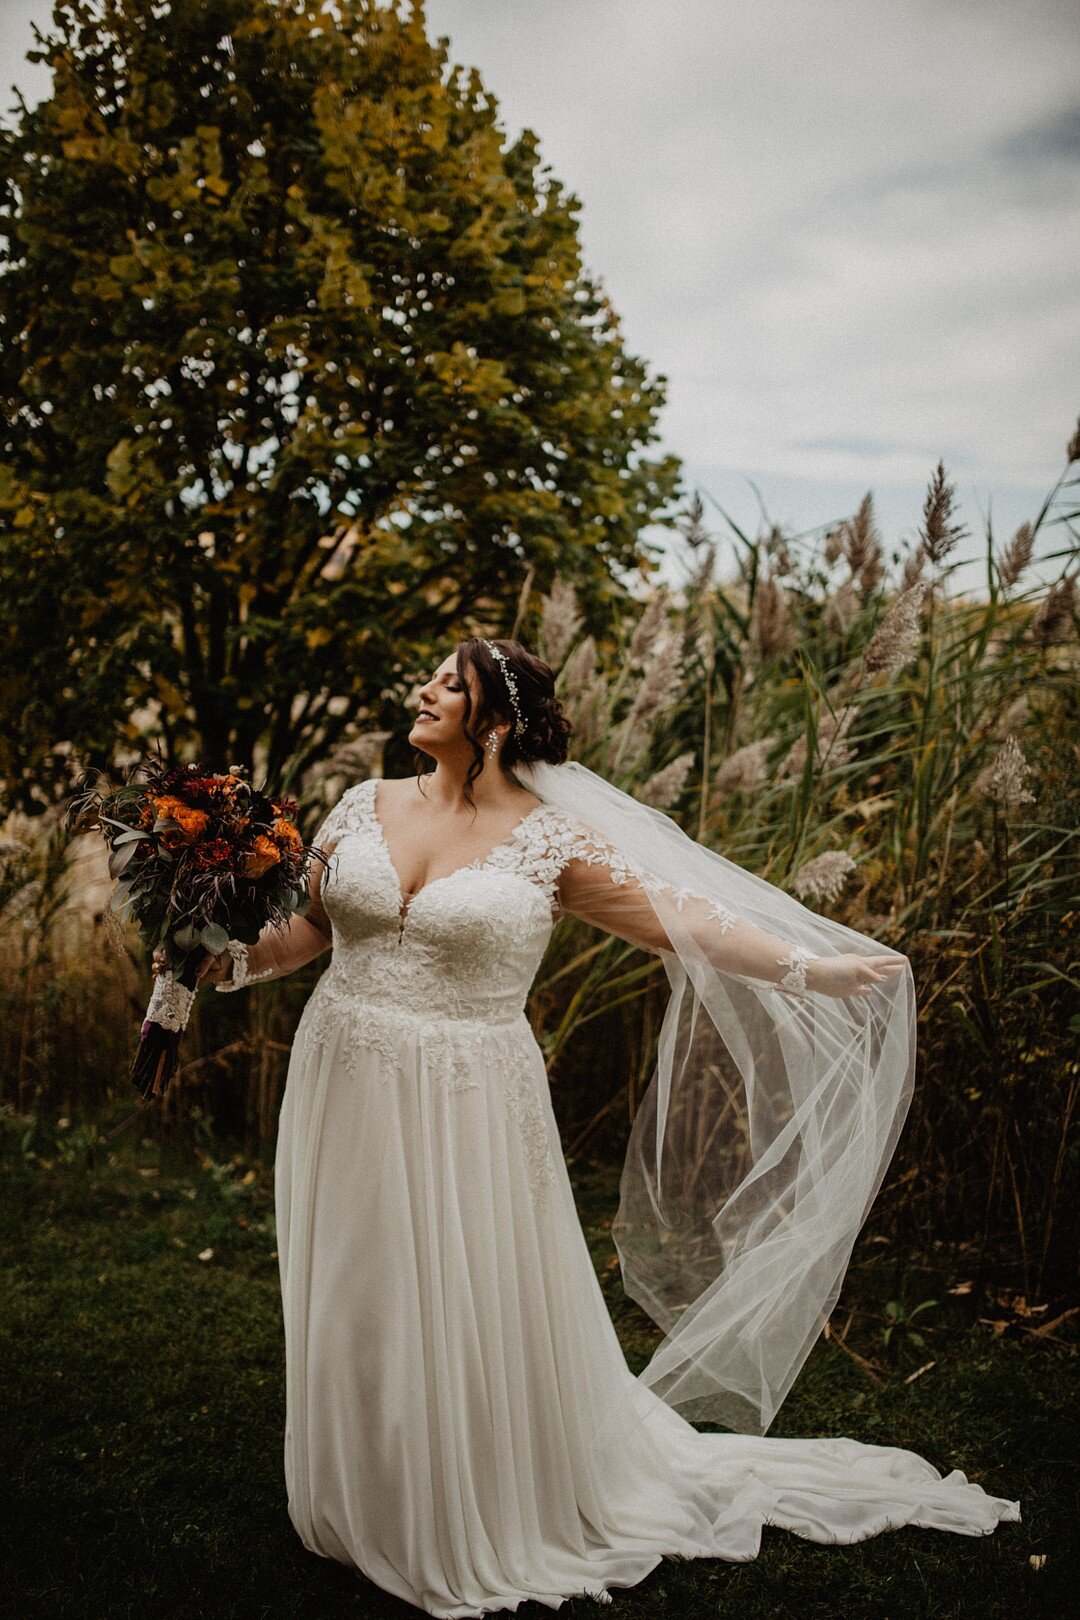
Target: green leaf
point(214, 938)
point(119, 858)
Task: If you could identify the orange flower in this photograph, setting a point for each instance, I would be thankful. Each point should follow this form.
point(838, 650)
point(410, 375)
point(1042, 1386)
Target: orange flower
point(287, 834)
point(193, 822)
point(167, 804)
point(261, 858)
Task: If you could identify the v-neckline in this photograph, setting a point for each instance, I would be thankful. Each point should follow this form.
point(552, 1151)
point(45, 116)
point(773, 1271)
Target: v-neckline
point(405, 903)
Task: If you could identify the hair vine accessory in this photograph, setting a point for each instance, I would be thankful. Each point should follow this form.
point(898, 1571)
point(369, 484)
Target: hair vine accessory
point(511, 685)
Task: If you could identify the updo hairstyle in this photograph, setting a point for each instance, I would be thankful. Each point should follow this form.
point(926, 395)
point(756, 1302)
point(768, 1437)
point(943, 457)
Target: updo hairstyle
point(547, 729)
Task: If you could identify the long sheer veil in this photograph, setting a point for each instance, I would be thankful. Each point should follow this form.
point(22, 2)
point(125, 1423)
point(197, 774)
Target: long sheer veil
point(764, 1133)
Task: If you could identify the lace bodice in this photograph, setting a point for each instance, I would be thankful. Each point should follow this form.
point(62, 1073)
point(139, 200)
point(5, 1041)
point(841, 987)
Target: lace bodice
point(468, 944)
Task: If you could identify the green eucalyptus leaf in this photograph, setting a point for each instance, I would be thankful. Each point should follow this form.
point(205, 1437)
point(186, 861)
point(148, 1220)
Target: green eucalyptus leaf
point(214, 938)
point(120, 858)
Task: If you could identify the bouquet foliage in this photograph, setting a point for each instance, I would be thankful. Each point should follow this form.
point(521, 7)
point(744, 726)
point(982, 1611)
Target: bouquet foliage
point(200, 860)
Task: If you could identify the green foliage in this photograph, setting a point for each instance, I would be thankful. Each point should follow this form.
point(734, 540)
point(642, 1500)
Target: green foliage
point(301, 373)
point(900, 1323)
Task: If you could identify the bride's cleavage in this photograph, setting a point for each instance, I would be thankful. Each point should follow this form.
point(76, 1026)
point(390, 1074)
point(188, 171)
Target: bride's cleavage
point(405, 899)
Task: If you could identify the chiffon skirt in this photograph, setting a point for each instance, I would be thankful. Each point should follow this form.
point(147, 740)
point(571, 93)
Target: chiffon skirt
point(461, 1424)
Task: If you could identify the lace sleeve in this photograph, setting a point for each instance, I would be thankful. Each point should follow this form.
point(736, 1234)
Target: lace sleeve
point(597, 884)
point(281, 951)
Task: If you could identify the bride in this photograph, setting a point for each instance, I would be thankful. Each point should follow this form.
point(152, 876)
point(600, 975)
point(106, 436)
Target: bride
point(461, 1425)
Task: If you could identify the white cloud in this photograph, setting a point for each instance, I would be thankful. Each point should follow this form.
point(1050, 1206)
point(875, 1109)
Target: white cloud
point(847, 234)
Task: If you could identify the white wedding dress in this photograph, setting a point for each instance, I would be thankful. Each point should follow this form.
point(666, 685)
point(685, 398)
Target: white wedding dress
point(461, 1424)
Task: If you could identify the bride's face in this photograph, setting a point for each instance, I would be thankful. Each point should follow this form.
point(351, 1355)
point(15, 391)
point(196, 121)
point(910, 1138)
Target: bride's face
point(441, 710)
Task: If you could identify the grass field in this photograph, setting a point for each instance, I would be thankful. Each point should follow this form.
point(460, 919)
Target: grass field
point(142, 1446)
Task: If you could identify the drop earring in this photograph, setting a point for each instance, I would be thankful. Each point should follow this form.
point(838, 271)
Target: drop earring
point(492, 743)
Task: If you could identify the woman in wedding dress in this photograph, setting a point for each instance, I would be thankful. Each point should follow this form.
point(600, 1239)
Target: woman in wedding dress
point(461, 1424)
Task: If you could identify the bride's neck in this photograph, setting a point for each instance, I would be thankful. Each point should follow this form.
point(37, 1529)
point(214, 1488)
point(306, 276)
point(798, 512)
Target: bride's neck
point(444, 787)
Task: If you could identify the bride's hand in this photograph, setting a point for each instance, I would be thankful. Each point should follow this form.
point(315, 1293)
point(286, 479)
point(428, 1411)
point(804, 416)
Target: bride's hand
point(211, 970)
point(851, 975)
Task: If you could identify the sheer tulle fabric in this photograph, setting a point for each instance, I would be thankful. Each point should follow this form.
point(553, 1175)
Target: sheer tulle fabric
point(769, 1121)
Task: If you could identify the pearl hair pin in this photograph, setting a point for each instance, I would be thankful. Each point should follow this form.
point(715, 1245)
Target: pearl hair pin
point(511, 685)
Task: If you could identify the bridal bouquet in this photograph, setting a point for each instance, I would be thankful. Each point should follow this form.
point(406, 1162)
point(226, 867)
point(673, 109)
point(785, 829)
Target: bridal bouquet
point(199, 860)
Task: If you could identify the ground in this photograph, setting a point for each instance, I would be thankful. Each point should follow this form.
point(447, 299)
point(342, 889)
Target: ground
point(142, 1441)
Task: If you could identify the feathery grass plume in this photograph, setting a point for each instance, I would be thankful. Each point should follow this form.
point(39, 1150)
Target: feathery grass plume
point(580, 668)
point(771, 629)
point(1072, 452)
point(832, 750)
point(913, 569)
point(691, 524)
point(657, 691)
point(692, 527)
point(1016, 556)
point(783, 562)
point(584, 694)
point(939, 533)
point(842, 609)
point(776, 549)
point(862, 547)
point(664, 786)
point(872, 573)
point(649, 625)
point(114, 932)
point(794, 761)
point(560, 622)
point(1003, 779)
point(834, 544)
point(1016, 716)
point(745, 771)
point(1054, 615)
point(896, 639)
point(824, 876)
point(705, 642)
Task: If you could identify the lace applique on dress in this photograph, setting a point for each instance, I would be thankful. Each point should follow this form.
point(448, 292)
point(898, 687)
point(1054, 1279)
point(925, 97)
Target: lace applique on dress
point(550, 841)
point(453, 1051)
point(524, 1105)
point(347, 815)
point(542, 844)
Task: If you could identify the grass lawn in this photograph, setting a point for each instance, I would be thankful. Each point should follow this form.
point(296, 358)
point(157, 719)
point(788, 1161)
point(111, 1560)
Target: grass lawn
point(142, 1442)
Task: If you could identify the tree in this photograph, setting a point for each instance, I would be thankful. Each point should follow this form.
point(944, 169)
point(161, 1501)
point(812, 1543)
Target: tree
point(301, 372)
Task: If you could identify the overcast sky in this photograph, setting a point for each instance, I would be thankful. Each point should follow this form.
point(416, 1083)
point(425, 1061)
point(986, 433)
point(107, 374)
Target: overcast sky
point(847, 232)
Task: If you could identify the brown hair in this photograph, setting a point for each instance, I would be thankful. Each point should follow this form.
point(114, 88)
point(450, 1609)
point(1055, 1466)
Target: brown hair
point(546, 728)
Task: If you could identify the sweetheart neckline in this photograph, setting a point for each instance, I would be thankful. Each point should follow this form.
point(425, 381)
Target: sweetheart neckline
point(405, 903)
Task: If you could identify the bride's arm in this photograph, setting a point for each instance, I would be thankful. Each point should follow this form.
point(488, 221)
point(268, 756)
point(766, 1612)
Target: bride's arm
point(599, 887)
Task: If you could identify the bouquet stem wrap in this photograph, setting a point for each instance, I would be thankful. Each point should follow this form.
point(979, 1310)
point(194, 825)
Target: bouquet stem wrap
point(157, 1055)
